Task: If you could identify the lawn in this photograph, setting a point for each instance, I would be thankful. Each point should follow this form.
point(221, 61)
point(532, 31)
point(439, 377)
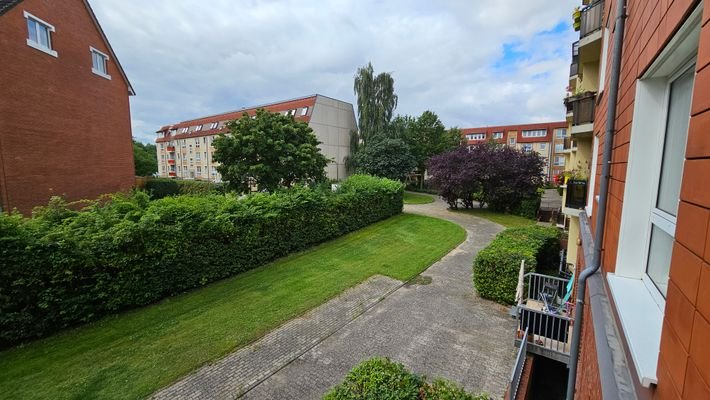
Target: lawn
point(507, 220)
point(417, 198)
point(133, 354)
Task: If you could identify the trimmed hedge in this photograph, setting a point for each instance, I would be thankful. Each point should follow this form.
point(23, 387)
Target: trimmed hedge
point(63, 267)
point(163, 187)
point(496, 268)
point(380, 378)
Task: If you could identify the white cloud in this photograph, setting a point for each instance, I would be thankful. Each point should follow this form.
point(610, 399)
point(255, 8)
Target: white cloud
point(188, 59)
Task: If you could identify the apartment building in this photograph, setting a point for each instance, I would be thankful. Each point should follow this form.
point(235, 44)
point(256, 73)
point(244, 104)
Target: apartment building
point(547, 139)
point(65, 124)
point(640, 324)
point(185, 149)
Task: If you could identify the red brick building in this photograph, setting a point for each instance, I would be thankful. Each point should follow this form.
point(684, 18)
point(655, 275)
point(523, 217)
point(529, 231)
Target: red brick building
point(546, 138)
point(64, 112)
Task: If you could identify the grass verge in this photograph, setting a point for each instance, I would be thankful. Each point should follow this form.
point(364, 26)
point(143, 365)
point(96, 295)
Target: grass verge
point(133, 354)
point(417, 198)
point(507, 220)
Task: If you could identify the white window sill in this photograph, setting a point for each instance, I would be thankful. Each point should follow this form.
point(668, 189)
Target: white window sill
point(101, 74)
point(41, 48)
point(641, 319)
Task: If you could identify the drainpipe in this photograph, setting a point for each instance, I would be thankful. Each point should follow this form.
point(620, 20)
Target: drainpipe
point(603, 192)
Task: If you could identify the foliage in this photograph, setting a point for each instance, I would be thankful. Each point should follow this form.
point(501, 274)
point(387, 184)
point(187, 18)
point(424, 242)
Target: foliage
point(496, 268)
point(376, 102)
point(380, 378)
point(269, 151)
point(162, 187)
point(428, 137)
point(388, 158)
point(413, 198)
point(64, 267)
point(506, 220)
point(498, 176)
point(145, 159)
point(425, 186)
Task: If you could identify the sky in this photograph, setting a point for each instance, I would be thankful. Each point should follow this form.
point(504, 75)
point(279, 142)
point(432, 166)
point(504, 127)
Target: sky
point(472, 62)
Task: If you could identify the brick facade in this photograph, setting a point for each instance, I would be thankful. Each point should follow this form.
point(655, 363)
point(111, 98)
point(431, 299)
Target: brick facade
point(63, 129)
point(684, 360)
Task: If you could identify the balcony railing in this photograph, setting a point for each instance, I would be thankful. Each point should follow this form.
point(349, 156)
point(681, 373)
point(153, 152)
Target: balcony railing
point(576, 194)
point(582, 108)
point(171, 149)
point(171, 161)
point(545, 317)
point(591, 19)
point(517, 372)
point(570, 144)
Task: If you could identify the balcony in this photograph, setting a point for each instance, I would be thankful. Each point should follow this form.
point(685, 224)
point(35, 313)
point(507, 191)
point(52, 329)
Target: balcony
point(582, 107)
point(171, 149)
point(591, 19)
point(574, 67)
point(576, 197)
point(570, 145)
point(172, 174)
point(545, 317)
point(171, 161)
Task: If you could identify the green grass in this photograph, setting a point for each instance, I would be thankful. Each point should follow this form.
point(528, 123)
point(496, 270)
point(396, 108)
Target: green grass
point(133, 354)
point(416, 198)
point(507, 220)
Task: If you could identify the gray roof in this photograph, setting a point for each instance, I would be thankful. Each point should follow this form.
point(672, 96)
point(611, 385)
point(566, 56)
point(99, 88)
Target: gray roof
point(6, 5)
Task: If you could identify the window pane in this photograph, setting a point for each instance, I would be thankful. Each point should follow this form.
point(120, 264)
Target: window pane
point(674, 146)
point(43, 35)
point(32, 30)
point(659, 258)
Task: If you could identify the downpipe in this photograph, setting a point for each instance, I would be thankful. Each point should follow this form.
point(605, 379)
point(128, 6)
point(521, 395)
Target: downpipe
point(603, 195)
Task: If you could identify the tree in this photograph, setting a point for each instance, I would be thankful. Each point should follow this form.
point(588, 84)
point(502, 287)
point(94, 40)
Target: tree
point(389, 158)
point(501, 177)
point(270, 151)
point(376, 103)
point(145, 158)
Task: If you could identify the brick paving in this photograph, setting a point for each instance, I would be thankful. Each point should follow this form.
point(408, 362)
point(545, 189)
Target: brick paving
point(439, 328)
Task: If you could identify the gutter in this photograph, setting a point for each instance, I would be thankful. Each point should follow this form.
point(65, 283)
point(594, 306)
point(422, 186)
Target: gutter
point(603, 195)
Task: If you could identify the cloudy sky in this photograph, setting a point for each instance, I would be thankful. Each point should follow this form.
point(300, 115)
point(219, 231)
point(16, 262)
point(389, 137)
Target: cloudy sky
point(473, 62)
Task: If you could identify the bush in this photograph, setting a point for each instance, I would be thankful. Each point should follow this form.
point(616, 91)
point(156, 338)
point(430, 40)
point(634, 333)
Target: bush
point(63, 267)
point(496, 268)
point(163, 187)
point(529, 206)
point(380, 378)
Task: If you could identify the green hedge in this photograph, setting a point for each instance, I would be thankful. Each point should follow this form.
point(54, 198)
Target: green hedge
point(380, 378)
point(163, 187)
point(63, 267)
point(496, 268)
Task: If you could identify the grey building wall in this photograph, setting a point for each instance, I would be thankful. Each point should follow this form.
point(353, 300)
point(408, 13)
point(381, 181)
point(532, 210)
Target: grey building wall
point(331, 121)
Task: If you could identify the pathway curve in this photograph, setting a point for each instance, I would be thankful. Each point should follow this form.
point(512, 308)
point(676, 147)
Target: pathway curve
point(435, 325)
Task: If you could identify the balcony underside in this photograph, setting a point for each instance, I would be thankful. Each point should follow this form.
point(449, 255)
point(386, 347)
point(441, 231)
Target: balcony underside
point(582, 129)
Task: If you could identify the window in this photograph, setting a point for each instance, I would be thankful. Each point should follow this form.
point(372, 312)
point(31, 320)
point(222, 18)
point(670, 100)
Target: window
point(559, 147)
point(99, 63)
point(535, 133)
point(304, 111)
point(184, 130)
point(497, 135)
point(561, 132)
point(543, 146)
point(198, 128)
point(205, 156)
point(39, 34)
point(199, 170)
point(527, 147)
point(559, 161)
point(214, 125)
point(511, 141)
point(475, 136)
point(197, 156)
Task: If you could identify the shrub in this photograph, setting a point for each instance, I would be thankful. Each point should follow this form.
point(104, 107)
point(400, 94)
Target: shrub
point(496, 268)
point(163, 187)
point(381, 378)
point(63, 267)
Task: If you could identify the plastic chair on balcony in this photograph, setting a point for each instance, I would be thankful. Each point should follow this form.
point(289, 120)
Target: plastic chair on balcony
point(559, 305)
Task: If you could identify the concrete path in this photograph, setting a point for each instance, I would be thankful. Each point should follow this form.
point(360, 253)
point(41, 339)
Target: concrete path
point(435, 325)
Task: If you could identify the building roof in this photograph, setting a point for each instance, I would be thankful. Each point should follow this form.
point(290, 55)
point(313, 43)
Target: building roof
point(285, 105)
point(7, 5)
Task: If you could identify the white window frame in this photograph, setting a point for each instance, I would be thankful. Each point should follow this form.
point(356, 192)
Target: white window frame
point(557, 133)
point(534, 133)
point(543, 146)
point(559, 147)
point(602, 64)
point(304, 111)
point(639, 303)
point(198, 128)
point(106, 58)
point(497, 135)
point(184, 130)
point(36, 45)
point(559, 161)
point(512, 141)
point(476, 136)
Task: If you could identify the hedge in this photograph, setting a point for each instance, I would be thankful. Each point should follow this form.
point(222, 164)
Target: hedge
point(380, 378)
point(496, 267)
point(63, 267)
point(163, 187)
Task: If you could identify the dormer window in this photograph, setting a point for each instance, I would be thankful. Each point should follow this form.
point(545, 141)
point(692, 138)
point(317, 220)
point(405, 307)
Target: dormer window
point(39, 34)
point(184, 130)
point(198, 128)
point(99, 63)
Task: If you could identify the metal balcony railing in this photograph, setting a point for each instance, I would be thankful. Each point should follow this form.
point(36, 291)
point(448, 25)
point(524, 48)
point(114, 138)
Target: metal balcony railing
point(576, 194)
point(582, 107)
point(517, 372)
point(591, 18)
point(545, 317)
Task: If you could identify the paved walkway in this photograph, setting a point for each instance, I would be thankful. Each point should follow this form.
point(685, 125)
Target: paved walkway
point(435, 325)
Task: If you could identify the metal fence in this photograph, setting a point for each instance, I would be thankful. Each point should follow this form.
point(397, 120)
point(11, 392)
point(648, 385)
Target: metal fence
point(517, 372)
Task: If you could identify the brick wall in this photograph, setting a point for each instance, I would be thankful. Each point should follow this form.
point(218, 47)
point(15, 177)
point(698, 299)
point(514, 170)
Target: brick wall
point(684, 362)
point(64, 130)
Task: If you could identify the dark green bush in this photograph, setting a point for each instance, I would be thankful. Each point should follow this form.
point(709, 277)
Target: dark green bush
point(381, 378)
point(496, 268)
point(63, 267)
point(528, 207)
point(163, 187)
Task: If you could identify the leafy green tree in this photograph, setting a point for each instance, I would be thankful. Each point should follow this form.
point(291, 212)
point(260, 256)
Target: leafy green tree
point(376, 101)
point(145, 158)
point(388, 158)
point(270, 151)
